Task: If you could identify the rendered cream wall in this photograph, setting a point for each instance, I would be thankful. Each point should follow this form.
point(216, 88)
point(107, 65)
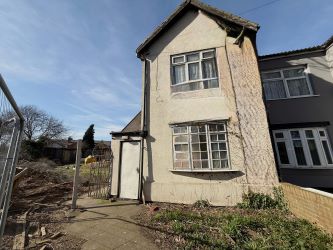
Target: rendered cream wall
point(195, 31)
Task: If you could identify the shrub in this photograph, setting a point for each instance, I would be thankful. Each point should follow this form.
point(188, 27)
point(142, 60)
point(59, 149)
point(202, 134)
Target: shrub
point(263, 201)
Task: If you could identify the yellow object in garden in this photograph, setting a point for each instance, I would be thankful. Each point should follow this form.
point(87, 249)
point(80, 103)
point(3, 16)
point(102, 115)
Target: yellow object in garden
point(89, 159)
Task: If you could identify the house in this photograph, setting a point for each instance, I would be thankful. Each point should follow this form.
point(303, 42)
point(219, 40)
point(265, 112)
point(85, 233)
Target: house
point(60, 151)
point(64, 151)
point(299, 89)
point(202, 132)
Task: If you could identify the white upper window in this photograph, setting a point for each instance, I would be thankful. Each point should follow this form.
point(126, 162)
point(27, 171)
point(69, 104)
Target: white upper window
point(306, 147)
point(286, 83)
point(201, 147)
point(194, 71)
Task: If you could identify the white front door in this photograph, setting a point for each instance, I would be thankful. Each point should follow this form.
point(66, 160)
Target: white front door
point(129, 170)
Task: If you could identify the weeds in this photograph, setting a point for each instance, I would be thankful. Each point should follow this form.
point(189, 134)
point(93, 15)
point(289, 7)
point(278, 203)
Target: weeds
point(239, 229)
point(263, 201)
point(201, 204)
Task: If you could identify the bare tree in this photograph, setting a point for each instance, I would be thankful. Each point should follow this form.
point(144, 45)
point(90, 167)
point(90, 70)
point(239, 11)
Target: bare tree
point(39, 124)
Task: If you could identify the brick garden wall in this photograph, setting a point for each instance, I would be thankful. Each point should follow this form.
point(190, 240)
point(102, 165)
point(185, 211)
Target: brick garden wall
point(310, 204)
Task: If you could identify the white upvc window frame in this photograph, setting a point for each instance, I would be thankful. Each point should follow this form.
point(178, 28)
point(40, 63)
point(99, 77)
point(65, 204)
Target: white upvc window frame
point(285, 84)
point(190, 143)
point(317, 137)
point(199, 61)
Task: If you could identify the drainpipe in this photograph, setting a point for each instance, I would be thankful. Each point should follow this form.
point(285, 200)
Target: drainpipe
point(144, 132)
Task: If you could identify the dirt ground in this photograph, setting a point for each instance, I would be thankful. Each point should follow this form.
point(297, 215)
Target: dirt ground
point(41, 193)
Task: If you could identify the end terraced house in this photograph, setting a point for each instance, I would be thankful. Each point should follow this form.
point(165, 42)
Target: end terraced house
point(202, 132)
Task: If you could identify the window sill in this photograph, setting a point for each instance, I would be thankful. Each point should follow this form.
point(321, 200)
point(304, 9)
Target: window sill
point(204, 171)
point(308, 168)
point(291, 98)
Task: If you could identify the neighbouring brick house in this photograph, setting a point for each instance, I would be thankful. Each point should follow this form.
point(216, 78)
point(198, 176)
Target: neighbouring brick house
point(202, 132)
point(298, 87)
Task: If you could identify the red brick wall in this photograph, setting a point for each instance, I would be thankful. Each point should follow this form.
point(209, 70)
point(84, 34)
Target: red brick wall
point(311, 205)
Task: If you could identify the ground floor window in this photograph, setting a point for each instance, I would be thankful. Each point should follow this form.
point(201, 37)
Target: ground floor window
point(200, 146)
point(305, 147)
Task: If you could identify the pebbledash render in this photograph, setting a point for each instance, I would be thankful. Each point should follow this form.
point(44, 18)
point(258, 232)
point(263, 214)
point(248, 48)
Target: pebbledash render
point(202, 132)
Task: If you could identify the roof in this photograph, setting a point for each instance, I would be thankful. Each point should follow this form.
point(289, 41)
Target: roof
point(226, 17)
point(134, 124)
point(321, 47)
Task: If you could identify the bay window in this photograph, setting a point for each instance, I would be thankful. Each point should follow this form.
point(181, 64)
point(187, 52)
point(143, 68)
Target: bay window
point(194, 71)
point(305, 147)
point(200, 146)
point(286, 83)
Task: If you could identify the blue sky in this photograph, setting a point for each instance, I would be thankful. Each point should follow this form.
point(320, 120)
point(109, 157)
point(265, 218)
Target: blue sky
point(76, 59)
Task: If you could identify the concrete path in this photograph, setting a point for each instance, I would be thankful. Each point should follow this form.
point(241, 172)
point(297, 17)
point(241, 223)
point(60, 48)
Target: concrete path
point(108, 225)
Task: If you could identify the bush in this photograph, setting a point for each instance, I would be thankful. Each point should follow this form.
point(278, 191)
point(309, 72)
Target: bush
point(263, 201)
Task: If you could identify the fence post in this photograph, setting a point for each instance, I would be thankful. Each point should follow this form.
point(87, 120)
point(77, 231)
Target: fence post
point(77, 174)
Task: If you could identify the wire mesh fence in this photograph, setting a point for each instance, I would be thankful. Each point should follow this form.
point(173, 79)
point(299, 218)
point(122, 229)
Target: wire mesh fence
point(11, 128)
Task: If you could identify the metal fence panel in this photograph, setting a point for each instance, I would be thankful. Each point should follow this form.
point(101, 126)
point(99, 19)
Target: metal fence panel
point(11, 129)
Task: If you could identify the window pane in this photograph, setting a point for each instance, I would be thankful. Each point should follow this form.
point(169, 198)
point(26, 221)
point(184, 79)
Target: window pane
point(196, 164)
point(208, 54)
point(179, 73)
point(293, 72)
point(221, 137)
point(282, 151)
point(213, 138)
point(178, 59)
point(186, 87)
point(279, 135)
point(327, 152)
point(181, 138)
point(192, 57)
point(294, 134)
point(209, 68)
point(209, 84)
point(204, 164)
point(322, 133)
point(203, 146)
point(298, 147)
point(298, 87)
point(202, 138)
point(196, 147)
point(223, 155)
point(196, 156)
point(180, 130)
point(274, 89)
point(195, 138)
point(309, 133)
point(222, 146)
point(182, 156)
point(202, 128)
point(224, 164)
point(204, 155)
point(215, 146)
point(193, 71)
point(194, 129)
point(216, 164)
point(181, 147)
point(216, 155)
point(314, 152)
point(220, 127)
point(271, 75)
point(213, 127)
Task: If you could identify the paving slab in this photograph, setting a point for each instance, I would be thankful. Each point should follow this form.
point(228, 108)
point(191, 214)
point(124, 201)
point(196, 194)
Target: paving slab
point(107, 225)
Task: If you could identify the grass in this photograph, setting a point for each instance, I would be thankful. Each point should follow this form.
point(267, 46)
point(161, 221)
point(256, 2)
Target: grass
point(236, 228)
point(69, 171)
